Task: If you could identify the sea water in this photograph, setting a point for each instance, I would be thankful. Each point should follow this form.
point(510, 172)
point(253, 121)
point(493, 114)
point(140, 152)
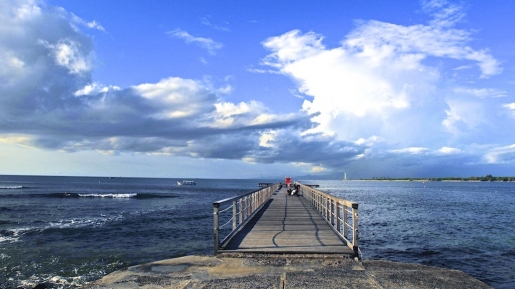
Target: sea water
point(67, 231)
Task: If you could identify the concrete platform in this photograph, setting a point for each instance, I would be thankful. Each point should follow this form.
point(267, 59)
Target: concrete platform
point(274, 271)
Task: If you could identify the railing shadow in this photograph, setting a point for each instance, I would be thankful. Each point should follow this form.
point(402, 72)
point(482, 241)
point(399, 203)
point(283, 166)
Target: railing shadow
point(236, 240)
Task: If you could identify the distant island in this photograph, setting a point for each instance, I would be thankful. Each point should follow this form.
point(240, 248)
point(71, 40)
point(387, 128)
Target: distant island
point(487, 178)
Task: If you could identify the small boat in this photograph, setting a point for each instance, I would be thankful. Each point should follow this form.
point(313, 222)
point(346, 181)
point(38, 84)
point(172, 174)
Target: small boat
point(189, 183)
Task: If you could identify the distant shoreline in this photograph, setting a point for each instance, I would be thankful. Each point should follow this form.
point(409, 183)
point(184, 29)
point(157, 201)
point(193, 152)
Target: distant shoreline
point(487, 178)
point(418, 180)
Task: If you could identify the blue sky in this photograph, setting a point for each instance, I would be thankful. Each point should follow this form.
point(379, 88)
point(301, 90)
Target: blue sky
point(232, 89)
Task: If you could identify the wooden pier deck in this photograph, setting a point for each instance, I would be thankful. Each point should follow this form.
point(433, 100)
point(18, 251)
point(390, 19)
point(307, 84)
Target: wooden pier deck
point(287, 225)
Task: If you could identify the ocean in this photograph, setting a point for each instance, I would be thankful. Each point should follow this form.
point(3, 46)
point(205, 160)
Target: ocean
point(67, 231)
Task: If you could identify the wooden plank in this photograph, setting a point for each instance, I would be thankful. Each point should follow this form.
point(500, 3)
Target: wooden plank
point(287, 224)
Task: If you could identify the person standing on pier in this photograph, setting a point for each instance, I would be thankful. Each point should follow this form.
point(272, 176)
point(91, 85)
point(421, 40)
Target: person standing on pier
point(287, 181)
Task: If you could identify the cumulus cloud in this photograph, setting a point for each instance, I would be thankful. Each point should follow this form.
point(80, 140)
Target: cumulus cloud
point(48, 98)
point(207, 43)
point(380, 90)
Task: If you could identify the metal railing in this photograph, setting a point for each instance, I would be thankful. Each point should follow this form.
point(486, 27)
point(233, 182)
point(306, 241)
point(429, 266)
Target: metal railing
point(340, 214)
point(243, 209)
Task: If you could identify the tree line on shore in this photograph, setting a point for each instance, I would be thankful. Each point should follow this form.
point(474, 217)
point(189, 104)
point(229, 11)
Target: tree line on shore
point(487, 178)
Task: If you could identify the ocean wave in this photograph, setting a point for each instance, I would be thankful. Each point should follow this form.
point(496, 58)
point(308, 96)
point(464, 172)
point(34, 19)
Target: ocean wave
point(11, 187)
point(109, 195)
point(12, 235)
point(67, 195)
point(8, 239)
point(83, 222)
point(113, 196)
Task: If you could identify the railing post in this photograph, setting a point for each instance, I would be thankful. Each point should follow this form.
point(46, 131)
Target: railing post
point(247, 206)
point(355, 237)
point(215, 231)
point(240, 212)
point(332, 213)
point(326, 208)
point(345, 227)
point(234, 215)
point(338, 221)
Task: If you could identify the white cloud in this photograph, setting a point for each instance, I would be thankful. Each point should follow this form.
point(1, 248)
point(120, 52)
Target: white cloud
point(206, 21)
point(463, 115)
point(381, 82)
point(92, 24)
point(444, 13)
point(50, 101)
point(510, 106)
point(369, 142)
point(448, 150)
point(253, 113)
point(263, 71)
point(95, 88)
point(482, 92)
point(318, 169)
point(20, 10)
point(175, 97)
point(267, 139)
point(463, 67)
point(69, 54)
point(209, 44)
point(410, 150)
point(501, 155)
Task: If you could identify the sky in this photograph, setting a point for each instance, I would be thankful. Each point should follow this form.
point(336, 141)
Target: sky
point(254, 89)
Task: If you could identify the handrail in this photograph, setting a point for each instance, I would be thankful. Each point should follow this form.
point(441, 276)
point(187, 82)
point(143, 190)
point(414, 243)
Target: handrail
point(243, 209)
point(336, 213)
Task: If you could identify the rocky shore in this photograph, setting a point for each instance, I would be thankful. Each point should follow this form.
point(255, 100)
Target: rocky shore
point(283, 271)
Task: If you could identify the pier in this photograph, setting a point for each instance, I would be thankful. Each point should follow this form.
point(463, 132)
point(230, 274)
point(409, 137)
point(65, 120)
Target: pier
point(279, 229)
point(269, 221)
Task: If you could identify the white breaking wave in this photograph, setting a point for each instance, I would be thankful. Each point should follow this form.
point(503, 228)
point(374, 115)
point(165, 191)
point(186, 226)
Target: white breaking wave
point(13, 235)
point(8, 239)
point(10, 187)
point(114, 196)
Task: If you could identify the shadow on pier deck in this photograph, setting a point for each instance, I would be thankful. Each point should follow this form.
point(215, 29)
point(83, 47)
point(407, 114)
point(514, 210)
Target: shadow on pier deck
point(286, 225)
